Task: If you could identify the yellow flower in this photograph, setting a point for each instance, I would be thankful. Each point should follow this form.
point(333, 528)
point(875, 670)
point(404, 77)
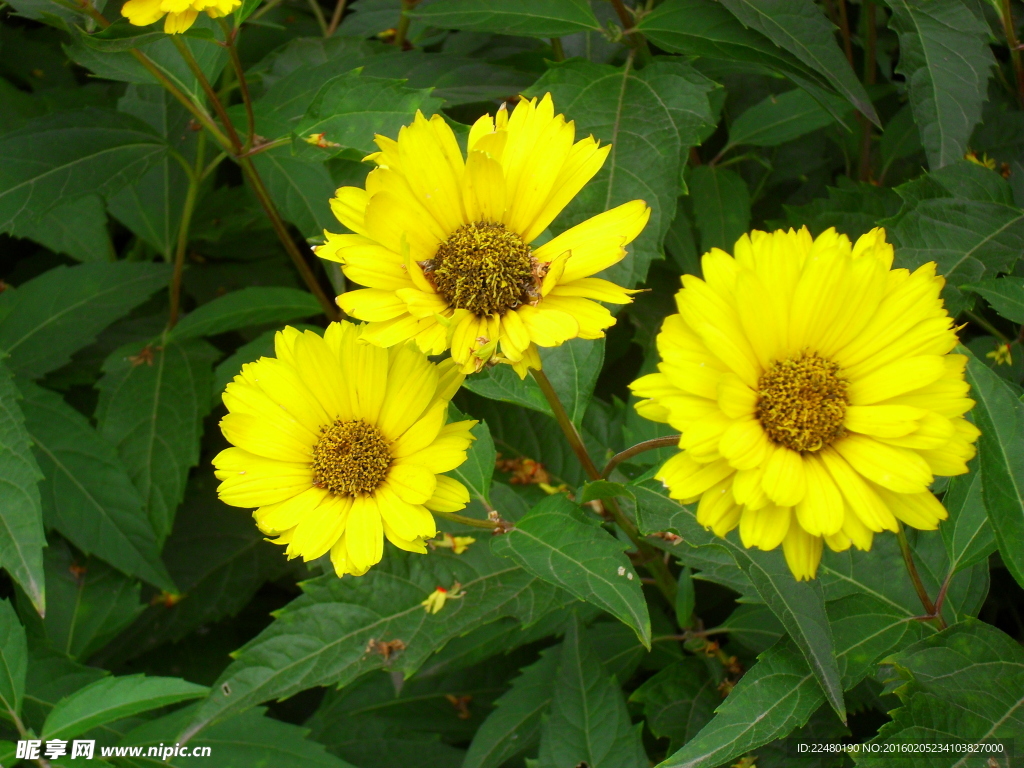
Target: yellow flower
point(1001, 355)
point(457, 544)
point(181, 14)
point(339, 443)
point(444, 243)
point(435, 600)
point(815, 393)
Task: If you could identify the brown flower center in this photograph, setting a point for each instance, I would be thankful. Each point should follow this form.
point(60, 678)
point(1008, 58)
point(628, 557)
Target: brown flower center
point(351, 457)
point(486, 269)
point(802, 402)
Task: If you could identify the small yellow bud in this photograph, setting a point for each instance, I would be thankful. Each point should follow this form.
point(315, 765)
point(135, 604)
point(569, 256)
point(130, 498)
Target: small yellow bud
point(1001, 355)
point(435, 600)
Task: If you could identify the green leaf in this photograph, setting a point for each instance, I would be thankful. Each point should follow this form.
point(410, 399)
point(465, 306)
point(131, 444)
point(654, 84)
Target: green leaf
point(514, 725)
point(152, 401)
point(87, 494)
point(477, 470)
point(572, 369)
point(13, 660)
point(533, 18)
point(588, 721)
point(21, 516)
point(853, 208)
point(782, 118)
point(685, 598)
point(754, 627)
point(999, 414)
point(945, 57)
point(77, 227)
point(244, 309)
point(603, 489)
point(88, 151)
point(962, 218)
point(249, 740)
point(967, 534)
point(962, 685)
point(90, 602)
point(350, 109)
point(300, 188)
point(52, 675)
point(775, 696)
point(321, 638)
point(705, 28)
point(679, 700)
point(152, 206)
point(52, 316)
point(721, 206)
point(899, 139)
point(114, 698)
point(558, 542)
point(1005, 294)
point(651, 117)
point(802, 29)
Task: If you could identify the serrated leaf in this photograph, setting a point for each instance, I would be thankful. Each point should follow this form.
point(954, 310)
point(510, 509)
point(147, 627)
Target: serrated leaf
point(945, 57)
point(999, 414)
point(962, 685)
point(324, 637)
point(48, 318)
point(52, 675)
point(244, 309)
point(90, 602)
point(651, 117)
point(853, 208)
point(899, 139)
point(514, 725)
point(558, 542)
point(721, 206)
point(588, 721)
point(967, 534)
point(534, 18)
point(87, 494)
point(1005, 294)
point(21, 515)
point(13, 660)
point(114, 698)
point(778, 119)
point(301, 189)
point(350, 109)
point(249, 740)
point(152, 401)
point(77, 227)
point(88, 151)
point(678, 701)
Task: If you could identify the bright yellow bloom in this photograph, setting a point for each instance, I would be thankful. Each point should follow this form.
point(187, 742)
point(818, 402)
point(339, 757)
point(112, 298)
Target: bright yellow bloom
point(340, 443)
point(444, 243)
point(181, 14)
point(815, 393)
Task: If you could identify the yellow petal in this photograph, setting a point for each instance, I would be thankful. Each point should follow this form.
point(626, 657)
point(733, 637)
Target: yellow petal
point(413, 483)
point(918, 510)
point(285, 515)
point(407, 520)
point(785, 479)
point(687, 479)
point(897, 469)
point(803, 553)
point(449, 496)
point(895, 379)
point(764, 528)
point(820, 511)
point(364, 533)
point(249, 480)
point(883, 420)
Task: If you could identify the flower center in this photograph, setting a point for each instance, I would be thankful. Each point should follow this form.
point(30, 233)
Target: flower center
point(802, 402)
point(486, 269)
point(351, 457)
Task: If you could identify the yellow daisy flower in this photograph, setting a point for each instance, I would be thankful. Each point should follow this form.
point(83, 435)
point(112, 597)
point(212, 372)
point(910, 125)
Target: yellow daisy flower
point(444, 242)
point(180, 14)
point(339, 443)
point(814, 391)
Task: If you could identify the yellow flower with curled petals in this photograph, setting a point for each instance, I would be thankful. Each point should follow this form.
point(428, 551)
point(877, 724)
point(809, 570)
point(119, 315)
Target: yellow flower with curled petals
point(339, 444)
point(444, 242)
point(178, 15)
point(815, 392)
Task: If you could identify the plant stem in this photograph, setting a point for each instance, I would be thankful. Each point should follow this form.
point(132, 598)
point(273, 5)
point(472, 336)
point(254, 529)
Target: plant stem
point(195, 179)
point(636, 41)
point(987, 326)
point(218, 105)
point(864, 170)
point(402, 31)
point(230, 37)
point(844, 28)
point(915, 577)
point(556, 49)
point(339, 11)
point(651, 555)
point(319, 13)
point(1011, 41)
point(653, 444)
point(490, 525)
point(249, 170)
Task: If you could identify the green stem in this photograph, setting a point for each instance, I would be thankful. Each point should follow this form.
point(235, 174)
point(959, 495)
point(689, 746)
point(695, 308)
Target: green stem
point(339, 11)
point(230, 41)
point(402, 31)
point(988, 326)
point(319, 13)
point(556, 49)
point(1011, 41)
point(195, 179)
point(653, 444)
point(218, 105)
point(651, 555)
point(844, 28)
point(491, 525)
point(328, 306)
point(915, 577)
point(636, 41)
